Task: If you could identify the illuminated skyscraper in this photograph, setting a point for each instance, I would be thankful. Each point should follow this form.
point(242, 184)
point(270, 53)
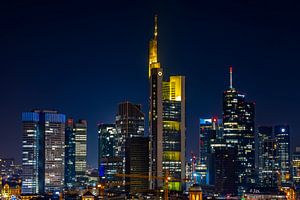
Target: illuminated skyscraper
point(166, 121)
point(43, 151)
point(70, 178)
point(108, 161)
point(238, 123)
point(80, 129)
point(296, 169)
point(174, 129)
point(210, 130)
point(130, 120)
point(268, 165)
point(282, 135)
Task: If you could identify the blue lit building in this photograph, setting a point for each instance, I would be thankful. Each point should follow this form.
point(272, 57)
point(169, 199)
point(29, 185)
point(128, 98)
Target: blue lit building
point(108, 161)
point(43, 151)
point(210, 130)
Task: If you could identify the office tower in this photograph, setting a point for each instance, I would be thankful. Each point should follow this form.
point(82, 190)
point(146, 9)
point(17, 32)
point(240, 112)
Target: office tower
point(137, 162)
point(225, 162)
point(267, 154)
point(80, 129)
point(130, 120)
point(155, 112)
point(238, 123)
point(109, 163)
point(33, 152)
point(174, 130)
point(70, 178)
point(296, 169)
point(43, 151)
point(166, 121)
point(209, 131)
point(282, 135)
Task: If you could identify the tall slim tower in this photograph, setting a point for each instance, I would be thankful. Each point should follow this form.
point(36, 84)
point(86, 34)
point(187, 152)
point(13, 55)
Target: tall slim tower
point(155, 113)
point(166, 121)
point(80, 129)
point(238, 123)
point(282, 135)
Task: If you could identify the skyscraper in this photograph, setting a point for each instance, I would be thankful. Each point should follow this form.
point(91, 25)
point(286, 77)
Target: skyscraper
point(225, 162)
point(238, 123)
point(166, 121)
point(268, 166)
point(80, 129)
point(70, 178)
point(109, 163)
point(174, 130)
point(137, 162)
point(43, 151)
point(296, 169)
point(282, 135)
point(210, 130)
point(130, 120)
point(33, 152)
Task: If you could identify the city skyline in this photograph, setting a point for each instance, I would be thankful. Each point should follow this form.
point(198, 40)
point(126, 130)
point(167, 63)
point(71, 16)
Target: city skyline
point(99, 104)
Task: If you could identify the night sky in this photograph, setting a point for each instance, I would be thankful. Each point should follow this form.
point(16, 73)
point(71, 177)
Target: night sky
point(83, 58)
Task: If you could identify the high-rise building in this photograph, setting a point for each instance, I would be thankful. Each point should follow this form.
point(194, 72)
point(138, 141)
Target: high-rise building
point(239, 131)
point(43, 151)
point(166, 121)
point(282, 135)
point(137, 162)
point(296, 169)
point(267, 154)
point(70, 178)
point(225, 162)
point(109, 163)
point(210, 130)
point(174, 130)
point(130, 120)
point(80, 129)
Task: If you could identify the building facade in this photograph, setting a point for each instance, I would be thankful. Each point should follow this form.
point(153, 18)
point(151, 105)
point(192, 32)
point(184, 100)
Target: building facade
point(268, 166)
point(109, 163)
point(80, 129)
point(43, 150)
point(137, 162)
point(239, 131)
point(209, 131)
point(166, 121)
point(70, 178)
point(282, 135)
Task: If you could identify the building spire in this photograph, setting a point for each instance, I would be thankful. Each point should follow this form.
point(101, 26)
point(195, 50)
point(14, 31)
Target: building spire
point(153, 53)
point(230, 70)
point(155, 27)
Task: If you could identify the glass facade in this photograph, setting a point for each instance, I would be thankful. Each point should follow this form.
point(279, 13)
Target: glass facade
point(43, 151)
point(210, 129)
point(70, 154)
point(80, 129)
point(109, 163)
point(282, 135)
point(239, 131)
point(267, 165)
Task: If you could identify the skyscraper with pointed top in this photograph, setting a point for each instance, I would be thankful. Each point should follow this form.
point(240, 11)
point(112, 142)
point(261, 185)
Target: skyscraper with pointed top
point(238, 123)
point(166, 121)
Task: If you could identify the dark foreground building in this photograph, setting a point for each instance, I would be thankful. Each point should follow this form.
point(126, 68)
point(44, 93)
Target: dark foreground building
point(137, 163)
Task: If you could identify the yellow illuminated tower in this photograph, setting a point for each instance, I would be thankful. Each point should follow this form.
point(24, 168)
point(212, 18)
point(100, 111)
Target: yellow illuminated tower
point(153, 53)
point(166, 122)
